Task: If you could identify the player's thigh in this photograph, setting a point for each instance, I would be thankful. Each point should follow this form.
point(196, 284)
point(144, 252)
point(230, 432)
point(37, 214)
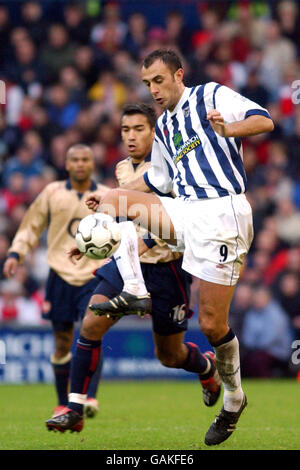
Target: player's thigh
point(217, 238)
point(170, 346)
point(94, 327)
point(143, 208)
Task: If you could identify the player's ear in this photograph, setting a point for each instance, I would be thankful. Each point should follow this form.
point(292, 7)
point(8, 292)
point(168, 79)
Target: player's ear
point(67, 166)
point(178, 76)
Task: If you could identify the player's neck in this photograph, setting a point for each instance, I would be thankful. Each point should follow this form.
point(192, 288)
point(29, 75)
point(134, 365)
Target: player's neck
point(138, 160)
point(178, 98)
point(80, 186)
point(142, 158)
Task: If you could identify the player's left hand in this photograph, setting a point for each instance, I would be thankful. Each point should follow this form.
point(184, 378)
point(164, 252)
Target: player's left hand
point(74, 253)
point(217, 122)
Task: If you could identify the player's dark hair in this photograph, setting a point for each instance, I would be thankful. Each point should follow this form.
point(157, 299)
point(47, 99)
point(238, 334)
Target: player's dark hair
point(167, 56)
point(141, 108)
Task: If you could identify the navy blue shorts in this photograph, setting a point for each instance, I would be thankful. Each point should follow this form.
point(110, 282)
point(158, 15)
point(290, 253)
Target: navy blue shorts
point(65, 304)
point(169, 286)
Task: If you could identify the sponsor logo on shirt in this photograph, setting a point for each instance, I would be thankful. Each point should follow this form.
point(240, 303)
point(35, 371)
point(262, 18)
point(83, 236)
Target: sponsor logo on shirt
point(187, 147)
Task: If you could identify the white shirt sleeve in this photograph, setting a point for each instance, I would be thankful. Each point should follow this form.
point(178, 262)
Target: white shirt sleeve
point(158, 177)
point(235, 107)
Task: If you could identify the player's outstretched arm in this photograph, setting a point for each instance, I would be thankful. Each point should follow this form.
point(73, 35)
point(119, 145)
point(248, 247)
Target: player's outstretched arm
point(94, 199)
point(252, 125)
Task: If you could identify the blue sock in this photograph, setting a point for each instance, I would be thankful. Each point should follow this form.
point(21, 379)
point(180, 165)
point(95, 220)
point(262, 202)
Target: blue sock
point(61, 375)
point(84, 364)
point(94, 383)
point(195, 361)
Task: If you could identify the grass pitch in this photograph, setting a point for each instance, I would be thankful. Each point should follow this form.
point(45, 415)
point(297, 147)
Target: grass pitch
point(152, 416)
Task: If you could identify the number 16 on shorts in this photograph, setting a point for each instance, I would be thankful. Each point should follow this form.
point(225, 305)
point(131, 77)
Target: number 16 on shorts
point(179, 313)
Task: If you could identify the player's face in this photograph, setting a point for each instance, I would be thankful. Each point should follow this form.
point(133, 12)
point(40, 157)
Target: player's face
point(137, 135)
point(165, 86)
point(80, 164)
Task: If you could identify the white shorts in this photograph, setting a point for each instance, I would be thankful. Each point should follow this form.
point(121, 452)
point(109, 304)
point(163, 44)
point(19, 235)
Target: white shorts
point(215, 235)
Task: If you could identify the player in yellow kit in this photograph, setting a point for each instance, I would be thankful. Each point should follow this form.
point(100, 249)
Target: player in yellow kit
point(59, 208)
point(165, 280)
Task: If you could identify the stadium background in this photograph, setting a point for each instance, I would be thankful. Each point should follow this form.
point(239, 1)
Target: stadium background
point(68, 69)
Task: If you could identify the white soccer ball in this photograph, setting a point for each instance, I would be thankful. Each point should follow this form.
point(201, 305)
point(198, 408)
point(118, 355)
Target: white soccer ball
point(98, 236)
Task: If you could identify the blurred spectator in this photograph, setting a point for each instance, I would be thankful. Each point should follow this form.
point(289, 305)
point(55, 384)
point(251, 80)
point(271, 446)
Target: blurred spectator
point(287, 291)
point(74, 85)
point(233, 73)
point(177, 34)
point(287, 15)
point(126, 69)
point(109, 90)
point(136, 36)
point(33, 139)
point(88, 65)
point(32, 20)
point(23, 162)
point(58, 52)
point(288, 222)
point(5, 28)
point(278, 54)
point(267, 336)
point(30, 285)
point(14, 102)
point(41, 124)
point(25, 117)
point(254, 90)
point(14, 193)
point(241, 303)
point(110, 33)
point(78, 26)
point(156, 39)
point(9, 136)
point(58, 150)
point(109, 136)
point(25, 68)
point(61, 109)
point(14, 307)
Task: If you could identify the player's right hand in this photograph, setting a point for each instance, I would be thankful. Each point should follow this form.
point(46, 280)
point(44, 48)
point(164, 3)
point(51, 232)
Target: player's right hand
point(10, 267)
point(93, 201)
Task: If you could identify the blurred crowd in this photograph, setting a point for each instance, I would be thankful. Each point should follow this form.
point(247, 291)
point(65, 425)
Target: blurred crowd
point(67, 77)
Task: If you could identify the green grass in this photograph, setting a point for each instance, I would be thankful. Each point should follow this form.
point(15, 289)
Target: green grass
point(154, 416)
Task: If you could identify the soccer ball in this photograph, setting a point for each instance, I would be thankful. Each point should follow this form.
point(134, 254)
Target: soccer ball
point(98, 236)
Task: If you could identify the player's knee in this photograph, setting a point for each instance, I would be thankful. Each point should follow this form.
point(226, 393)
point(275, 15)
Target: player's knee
point(168, 359)
point(63, 344)
point(90, 328)
point(209, 327)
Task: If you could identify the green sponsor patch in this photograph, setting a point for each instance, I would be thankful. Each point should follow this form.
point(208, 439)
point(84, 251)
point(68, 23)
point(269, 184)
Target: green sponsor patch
point(177, 140)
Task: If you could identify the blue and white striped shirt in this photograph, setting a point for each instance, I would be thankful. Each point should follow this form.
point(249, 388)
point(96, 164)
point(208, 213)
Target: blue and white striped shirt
point(188, 156)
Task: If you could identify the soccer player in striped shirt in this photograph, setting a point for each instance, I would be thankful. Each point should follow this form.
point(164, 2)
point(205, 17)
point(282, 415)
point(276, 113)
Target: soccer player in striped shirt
point(197, 155)
point(166, 281)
